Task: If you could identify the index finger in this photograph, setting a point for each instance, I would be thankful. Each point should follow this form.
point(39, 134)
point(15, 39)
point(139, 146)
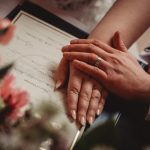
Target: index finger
point(95, 42)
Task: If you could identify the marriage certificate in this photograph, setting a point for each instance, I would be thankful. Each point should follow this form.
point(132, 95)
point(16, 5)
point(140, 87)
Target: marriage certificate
point(36, 53)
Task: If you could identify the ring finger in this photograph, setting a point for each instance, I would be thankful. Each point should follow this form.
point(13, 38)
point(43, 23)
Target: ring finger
point(102, 101)
point(94, 103)
point(88, 58)
point(84, 99)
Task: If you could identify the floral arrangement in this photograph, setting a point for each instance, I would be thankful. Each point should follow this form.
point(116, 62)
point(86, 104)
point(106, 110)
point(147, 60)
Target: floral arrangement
point(11, 101)
point(22, 125)
point(26, 129)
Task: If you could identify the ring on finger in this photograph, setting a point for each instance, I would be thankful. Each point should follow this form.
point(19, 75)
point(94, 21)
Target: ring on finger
point(98, 62)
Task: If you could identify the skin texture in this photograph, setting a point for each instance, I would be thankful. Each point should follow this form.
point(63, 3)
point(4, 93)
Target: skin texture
point(131, 18)
point(118, 70)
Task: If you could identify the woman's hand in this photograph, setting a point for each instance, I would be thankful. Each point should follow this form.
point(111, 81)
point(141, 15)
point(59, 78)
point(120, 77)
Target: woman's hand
point(117, 70)
point(85, 96)
point(4, 23)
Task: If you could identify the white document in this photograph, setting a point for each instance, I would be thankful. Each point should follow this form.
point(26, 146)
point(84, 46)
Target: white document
point(36, 51)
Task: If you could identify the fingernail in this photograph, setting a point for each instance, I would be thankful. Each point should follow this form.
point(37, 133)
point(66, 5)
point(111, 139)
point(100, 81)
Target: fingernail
point(5, 23)
point(58, 85)
point(91, 120)
point(82, 121)
point(100, 109)
point(98, 112)
point(73, 114)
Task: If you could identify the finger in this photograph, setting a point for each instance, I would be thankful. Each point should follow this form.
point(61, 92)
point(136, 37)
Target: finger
point(94, 103)
point(8, 36)
point(95, 42)
point(84, 99)
point(91, 70)
point(102, 101)
point(4, 23)
point(118, 43)
point(61, 74)
point(74, 87)
point(88, 58)
point(88, 48)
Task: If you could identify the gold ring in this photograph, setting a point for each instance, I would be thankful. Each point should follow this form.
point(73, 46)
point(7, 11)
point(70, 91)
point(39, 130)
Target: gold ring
point(98, 61)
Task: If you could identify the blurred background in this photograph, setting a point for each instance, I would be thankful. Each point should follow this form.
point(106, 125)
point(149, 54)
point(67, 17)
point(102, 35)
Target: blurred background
point(92, 12)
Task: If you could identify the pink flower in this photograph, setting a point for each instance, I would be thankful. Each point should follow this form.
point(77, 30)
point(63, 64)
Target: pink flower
point(11, 100)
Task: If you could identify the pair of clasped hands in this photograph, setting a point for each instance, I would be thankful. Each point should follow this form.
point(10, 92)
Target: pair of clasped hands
point(94, 70)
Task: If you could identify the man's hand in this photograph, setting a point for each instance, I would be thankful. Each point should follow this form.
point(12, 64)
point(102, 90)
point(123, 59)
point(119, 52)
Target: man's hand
point(118, 70)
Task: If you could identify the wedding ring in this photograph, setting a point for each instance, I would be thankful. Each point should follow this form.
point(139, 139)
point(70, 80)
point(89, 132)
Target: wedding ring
point(98, 61)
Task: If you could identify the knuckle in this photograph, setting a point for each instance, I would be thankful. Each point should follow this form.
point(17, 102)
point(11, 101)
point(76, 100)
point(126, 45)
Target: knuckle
point(96, 94)
point(91, 57)
point(90, 47)
point(95, 97)
point(114, 59)
point(88, 59)
point(110, 73)
point(112, 56)
point(96, 69)
point(85, 96)
point(91, 40)
point(74, 90)
point(96, 42)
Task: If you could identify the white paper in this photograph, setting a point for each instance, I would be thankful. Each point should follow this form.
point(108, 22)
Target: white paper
point(36, 51)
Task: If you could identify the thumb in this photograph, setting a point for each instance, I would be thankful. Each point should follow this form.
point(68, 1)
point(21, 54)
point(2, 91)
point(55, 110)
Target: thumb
point(118, 43)
point(61, 74)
